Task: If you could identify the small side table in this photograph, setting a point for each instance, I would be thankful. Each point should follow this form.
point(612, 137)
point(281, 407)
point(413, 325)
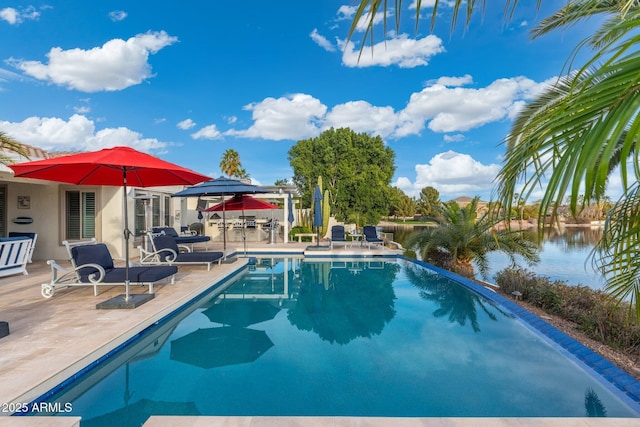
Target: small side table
point(356, 237)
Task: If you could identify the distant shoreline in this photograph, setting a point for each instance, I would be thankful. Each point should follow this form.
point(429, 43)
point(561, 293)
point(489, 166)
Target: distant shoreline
point(516, 225)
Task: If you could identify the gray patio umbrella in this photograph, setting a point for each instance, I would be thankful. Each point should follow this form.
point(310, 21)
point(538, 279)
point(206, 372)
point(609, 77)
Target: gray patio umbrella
point(291, 218)
point(242, 312)
point(220, 187)
point(317, 212)
point(214, 347)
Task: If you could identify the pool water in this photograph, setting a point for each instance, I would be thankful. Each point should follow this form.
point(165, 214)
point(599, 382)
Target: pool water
point(387, 338)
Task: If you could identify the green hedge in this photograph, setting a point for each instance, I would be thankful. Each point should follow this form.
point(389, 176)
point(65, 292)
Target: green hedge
point(591, 310)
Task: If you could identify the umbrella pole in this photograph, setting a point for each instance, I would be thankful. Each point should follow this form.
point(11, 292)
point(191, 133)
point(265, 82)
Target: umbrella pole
point(126, 234)
point(127, 300)
point(244, 235)
point(224, 230)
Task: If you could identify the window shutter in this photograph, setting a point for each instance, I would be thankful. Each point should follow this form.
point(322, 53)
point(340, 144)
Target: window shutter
point(72, 207)
point(88, 215)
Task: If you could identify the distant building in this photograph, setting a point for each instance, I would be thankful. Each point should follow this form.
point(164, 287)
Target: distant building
point(463, 201)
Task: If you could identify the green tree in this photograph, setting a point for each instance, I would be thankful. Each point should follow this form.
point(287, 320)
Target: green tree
point(578, 132)
point(356, 169)
point(395, 195)
point(9, 145)
point(405, 207)
point(282, 182)
point(461, 238)
point(231, 166)
point(241, 174)
point(429, 201)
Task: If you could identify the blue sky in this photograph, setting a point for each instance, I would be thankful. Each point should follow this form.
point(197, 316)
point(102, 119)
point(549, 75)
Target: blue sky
point(188, 80)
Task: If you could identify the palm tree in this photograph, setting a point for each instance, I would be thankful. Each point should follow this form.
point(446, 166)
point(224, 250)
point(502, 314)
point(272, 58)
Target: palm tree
point(579, 132)
point(10, 145)
point(462, 238)
point(230, 163)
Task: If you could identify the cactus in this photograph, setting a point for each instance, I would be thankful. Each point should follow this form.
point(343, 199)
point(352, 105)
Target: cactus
point(306, 219)
point(326, 212)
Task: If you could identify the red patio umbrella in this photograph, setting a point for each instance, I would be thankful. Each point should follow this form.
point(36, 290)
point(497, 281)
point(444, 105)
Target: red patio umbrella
point(241, 202)
point(117, 166)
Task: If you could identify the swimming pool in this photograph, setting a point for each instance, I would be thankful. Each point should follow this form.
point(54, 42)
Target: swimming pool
point(348, 337)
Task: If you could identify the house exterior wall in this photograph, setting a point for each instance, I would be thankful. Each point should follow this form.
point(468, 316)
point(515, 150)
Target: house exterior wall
point(46, 210)
point(43, 208)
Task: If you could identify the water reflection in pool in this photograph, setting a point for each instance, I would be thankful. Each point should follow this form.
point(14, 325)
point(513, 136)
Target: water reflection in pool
point(351, 337)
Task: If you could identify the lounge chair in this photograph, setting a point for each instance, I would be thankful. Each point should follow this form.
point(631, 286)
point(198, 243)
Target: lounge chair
point(30, 235)
point(167, 252)
point(14, 255)
point(189, 239)
point(337, 236)
point(371, 236)
point(92, 265)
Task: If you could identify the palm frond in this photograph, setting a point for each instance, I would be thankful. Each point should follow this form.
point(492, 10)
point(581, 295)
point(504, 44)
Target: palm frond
point(574, 135)
point(10, 145)
point(616, 255)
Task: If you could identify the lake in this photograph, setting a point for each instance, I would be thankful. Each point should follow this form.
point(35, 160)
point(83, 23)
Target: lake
point(563, 256)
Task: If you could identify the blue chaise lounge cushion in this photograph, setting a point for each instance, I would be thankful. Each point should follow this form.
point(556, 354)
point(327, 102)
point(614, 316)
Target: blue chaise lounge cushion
point(99, 254)
point(170, 231)
point(167, 242)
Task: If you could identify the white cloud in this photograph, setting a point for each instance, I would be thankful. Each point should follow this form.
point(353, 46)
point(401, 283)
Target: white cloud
point(6, 76)
point(82, 109)
point(116, 65)
point(289, 117)
point(10, 15)
point(361, 116)
point(443, 108)
point(454, 81)
point(186, 124)
point(15, 17)
point(453, 174)
point(117, 15)
point(425, 4)
point(77, 133)
point(397, 50)
point(207, 132)
point(347, 13)
point(458, 137)
point(322, 41)
point(456, 109)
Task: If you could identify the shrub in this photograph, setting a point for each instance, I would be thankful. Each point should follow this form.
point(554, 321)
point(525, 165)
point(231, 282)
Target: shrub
point(591, 310)
point(300, 229)
point(545, 296)
point(410, 254)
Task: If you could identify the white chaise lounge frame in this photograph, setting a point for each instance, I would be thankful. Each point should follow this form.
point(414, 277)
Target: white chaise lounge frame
point(67, 277)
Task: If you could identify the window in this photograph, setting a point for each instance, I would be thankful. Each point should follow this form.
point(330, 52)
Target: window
point(79, 215)
point(140, 225)
point(3, 210)
point(157, 206)
point(167, 211)
point(155, 211)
